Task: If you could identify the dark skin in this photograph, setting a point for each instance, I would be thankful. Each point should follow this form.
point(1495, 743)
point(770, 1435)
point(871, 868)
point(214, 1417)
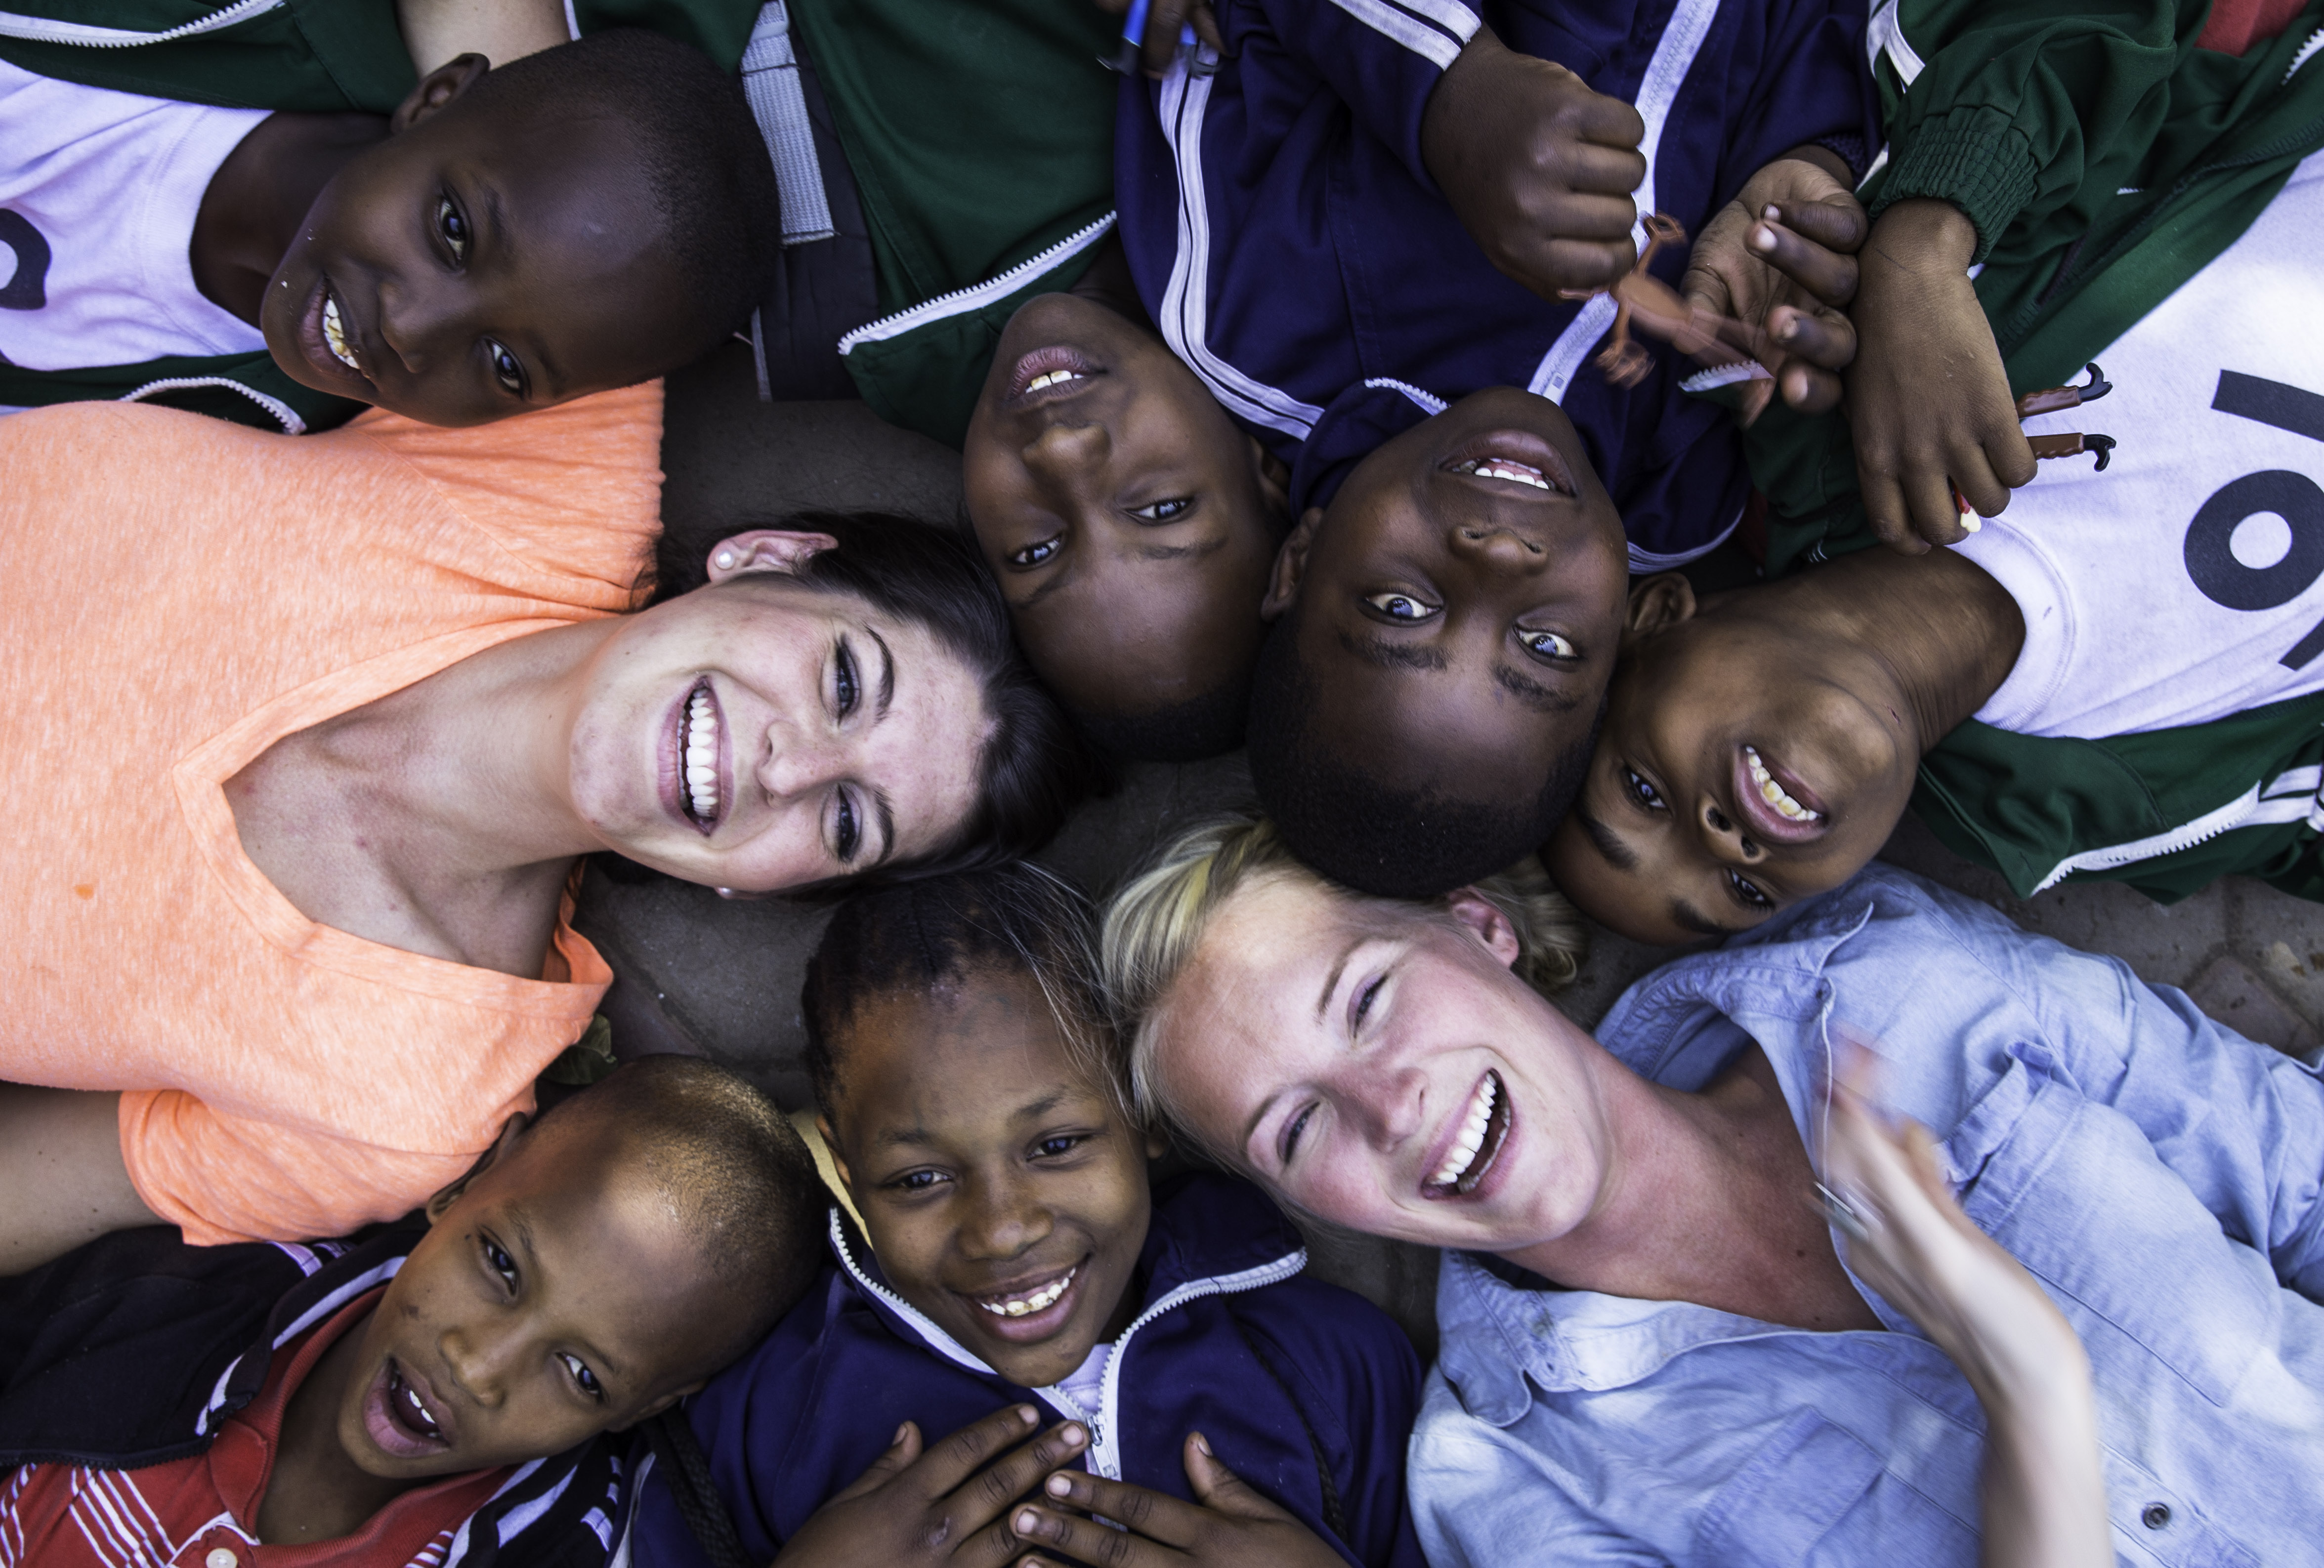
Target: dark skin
point(483, 257)
point(1838, 680)
point(552, 1298)
point(1129, 522)
point(1461, 626)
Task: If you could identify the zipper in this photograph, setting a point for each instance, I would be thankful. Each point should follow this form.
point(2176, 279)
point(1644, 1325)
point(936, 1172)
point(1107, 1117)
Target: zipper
point(284, 412)
point(976, 295)
point(2287, 798)
point(47, 30)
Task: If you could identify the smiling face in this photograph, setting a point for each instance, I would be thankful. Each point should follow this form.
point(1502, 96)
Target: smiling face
point(553, 1298)
point(761, 735)
point(1742, 767)
point(1379, 1065)
point(1459, 602)
point(482, 260)
point(1003, 1192)
point(1121, 511)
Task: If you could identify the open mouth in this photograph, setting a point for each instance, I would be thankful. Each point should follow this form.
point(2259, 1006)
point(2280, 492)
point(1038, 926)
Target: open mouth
point(402, 1418)
point(1477, 1144)
point(1515, 457)
point(1775, 803)
point(335, 333)
point(1047, 375)
point(1033, 1308)
point(696, 769)
point(328, 336)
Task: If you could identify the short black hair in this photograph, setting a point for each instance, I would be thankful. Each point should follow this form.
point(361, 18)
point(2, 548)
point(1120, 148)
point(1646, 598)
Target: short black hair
point(1210, 725)
point(1366, 833)
point(733, 1168)
point(1035, 766)
point(934, 934)
point(690, 130)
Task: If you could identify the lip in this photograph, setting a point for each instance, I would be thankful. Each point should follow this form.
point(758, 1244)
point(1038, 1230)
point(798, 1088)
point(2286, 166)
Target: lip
point(318, 350)
point(1034, 1327)
point(1484, 1180)
point(1764, 820)
point(674, 798)
point(1041, 361)
point(385, 1420)
point(1520, 446)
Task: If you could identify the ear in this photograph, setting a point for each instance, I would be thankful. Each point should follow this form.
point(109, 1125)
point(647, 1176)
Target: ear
point(1274, 479)
point(1290, 565)
point(438, 88)
point(766, 550)
point(501, 1148)
point(1656, 604)
point(831, 1142)
point(1155, 1145)
point(1485, 922)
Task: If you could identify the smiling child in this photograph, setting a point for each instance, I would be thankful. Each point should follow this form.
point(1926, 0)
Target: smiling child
point(1012, 1255)
point(381, 1400)
point(584, 218)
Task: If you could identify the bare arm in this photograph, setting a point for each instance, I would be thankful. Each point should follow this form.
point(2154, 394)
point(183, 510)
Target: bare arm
point(60, 1166)
point(438, 31)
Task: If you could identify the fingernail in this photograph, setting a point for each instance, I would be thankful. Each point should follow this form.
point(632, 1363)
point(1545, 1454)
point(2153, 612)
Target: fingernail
point(1025, 1521)
point(1203, 1444)
point(1074, 1433)
point(898, 1437)
point(1763, 239)
point(1771, 211)
point(1058, 1486)
point(1028, 1415)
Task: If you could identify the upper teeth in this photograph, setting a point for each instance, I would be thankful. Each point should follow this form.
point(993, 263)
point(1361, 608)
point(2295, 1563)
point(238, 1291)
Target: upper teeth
point(335, 335)
point(1040, 1300)
point(1472, 1137)
point(702, 755)
point(1502, 468)
point(1052, 378)
point(1774, 793)
point(419, 1411)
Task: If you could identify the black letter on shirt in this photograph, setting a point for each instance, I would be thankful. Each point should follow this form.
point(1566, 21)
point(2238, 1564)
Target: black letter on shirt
point(27, 289)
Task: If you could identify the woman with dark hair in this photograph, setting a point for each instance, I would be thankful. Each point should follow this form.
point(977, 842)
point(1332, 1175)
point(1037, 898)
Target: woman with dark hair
point(306, 744)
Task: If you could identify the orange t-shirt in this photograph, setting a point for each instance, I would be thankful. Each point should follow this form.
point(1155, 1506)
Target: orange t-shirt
point(178, 593)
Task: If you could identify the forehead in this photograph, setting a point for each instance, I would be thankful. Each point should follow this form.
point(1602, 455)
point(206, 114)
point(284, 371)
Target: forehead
point(970, 1048)
point(1247, 993)
point(1137, 635)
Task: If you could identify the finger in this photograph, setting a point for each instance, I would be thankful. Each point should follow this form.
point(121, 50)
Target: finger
point(1590, 166)
point(1091, 1542)
point(967, 1451)
point(1584, 215)
point(1220, 1489)
point(1929, 505)
point(1610, 122)
point(2011, 458)
point(1577, 264)
point(1153, 1514)
point(899, 1453)
point(1810, 389)
point(1164, 25)
point(1973, 477)
point(1835, 222)
point(988, 1494)
point(1206, 27)
point(1823, 272)
point(1883, 508)
point(1824, 338)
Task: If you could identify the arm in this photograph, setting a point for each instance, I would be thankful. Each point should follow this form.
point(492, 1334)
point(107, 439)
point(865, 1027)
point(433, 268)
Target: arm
point(438, 31)
point(60, 1166)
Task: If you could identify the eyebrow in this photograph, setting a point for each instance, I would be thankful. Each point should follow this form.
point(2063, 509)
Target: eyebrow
point(1392, 656)
point(1533, 693)
point(1181, 552)
point(1331, 980)
point(887, 672)
point(1618, 854)
point(1056, 579)
point(1690, 918)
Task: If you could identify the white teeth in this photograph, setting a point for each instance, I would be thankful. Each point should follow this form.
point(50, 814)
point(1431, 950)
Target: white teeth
point(1040, 1300)
point(335, 335)
point(1472, 1136)
point(702, 757)
point(1053, 379)
point(1501, 468)
point(1774, 793)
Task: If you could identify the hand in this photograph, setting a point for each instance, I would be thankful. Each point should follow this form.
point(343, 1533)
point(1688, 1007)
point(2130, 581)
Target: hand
point(1781, 259)
point(1927, 399)
point(945, 1506)
point(1538, 166)
point(1227, 1524)
point(1164, 23)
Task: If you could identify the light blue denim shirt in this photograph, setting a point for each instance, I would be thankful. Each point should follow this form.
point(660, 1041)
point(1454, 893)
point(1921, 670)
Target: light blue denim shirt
point(2162, 1176)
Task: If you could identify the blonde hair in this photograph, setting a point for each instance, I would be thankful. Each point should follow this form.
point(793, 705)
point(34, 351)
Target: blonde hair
point(1156, 918)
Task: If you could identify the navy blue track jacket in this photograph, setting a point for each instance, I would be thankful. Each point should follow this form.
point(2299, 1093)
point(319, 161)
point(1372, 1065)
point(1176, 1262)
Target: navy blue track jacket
point(1292, 248)
point(1304, 1390)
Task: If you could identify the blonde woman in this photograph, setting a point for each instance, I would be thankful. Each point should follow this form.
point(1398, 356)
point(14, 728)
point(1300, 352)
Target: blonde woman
point(1660, 1343)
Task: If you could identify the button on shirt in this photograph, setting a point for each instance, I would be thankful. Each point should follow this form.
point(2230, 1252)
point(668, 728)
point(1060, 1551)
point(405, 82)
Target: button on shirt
point(2159, 1175)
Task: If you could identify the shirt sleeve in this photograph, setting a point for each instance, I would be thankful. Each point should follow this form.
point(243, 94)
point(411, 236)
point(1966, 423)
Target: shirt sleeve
point(2007, 104)
point(1812, 89)
point(1382, 58)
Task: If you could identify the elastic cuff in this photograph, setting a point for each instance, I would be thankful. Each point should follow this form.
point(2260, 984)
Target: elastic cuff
point(1976, 158)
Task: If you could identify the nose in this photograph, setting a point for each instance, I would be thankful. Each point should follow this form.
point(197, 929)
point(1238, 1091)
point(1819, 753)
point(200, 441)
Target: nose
point(1496, 549)
point(1387, 1104)
point(1725, 838)
point(421, 325)
point(1003, 1220)
point(1071, 456)
point(802, 762)
point(478, 1364)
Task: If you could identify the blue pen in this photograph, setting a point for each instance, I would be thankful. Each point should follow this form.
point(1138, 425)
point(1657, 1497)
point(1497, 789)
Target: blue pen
point(1133, 38)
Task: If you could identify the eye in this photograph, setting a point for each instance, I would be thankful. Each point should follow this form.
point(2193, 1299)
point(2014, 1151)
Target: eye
point(1058, 1147)
point(846, 828)
point(1401, 607)
point(1364, 1000)
point(1298, 1124)
point(1035, 554)
point(497, 1259)
point(454, 230)
point(847, 684)
point(582, 1376)
point(1547, 645)
point(1643, 794)
point(507, 369)
point(1164, 511)
point(1749, 892)
point(917, 1180)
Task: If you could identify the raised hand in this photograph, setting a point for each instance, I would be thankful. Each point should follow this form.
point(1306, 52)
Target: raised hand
point(1227, 1525)
point(946, 1504)
point(1538, 166)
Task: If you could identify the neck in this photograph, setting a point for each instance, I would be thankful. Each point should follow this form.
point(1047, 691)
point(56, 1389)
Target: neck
point(315, 1492)
point(260, 194)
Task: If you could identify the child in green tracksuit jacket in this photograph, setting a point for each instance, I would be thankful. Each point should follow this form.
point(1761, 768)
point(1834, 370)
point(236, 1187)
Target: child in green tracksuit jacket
point(937, 164)
point(2122, 675)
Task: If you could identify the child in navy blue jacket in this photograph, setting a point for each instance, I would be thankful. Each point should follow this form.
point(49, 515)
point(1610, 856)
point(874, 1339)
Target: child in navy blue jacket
point(1011, 1272)
point(1330, 222)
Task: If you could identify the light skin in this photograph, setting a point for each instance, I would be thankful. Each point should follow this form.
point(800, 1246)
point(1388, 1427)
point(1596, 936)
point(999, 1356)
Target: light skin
point(438, 31)
point(482, 260)
point(1837, 680)
point(1128, 521)
point(1460, 627)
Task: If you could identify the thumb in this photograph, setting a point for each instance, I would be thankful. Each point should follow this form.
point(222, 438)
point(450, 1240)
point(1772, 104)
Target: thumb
point(903, 1451)
point(1217, 1487)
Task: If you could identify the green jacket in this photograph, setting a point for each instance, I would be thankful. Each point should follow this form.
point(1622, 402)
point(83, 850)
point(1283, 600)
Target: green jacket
point(980, 138)
point(2105, 162)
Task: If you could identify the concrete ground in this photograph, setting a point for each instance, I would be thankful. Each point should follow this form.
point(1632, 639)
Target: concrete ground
point(699, 974)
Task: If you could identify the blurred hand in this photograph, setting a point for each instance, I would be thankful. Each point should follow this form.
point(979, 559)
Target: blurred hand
point(1537, 166)
point(438, 31)
point(1228, 1524)
point(1928, 401)
point(948, 1505)
point(1162, 23)
point(1781, 259)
